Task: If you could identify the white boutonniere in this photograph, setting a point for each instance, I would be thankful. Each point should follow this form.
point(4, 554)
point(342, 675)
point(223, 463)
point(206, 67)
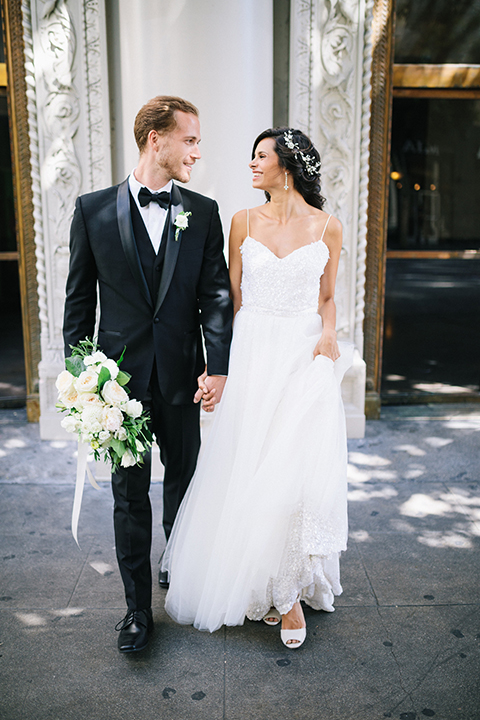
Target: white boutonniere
point(181, 223)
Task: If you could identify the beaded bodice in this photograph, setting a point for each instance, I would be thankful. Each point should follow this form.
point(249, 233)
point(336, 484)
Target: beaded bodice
point(282, 286)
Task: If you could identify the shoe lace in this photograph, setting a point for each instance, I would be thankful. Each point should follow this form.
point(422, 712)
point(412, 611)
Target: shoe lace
point(132, 616)
point(127, 620)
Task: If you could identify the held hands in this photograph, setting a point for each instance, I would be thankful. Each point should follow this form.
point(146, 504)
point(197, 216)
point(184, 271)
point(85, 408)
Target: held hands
point(210, 389)
point(327, 345)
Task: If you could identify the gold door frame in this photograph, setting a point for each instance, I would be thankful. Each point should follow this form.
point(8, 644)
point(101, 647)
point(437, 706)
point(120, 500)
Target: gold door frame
point(22, 188)
point(380, 125)
point(388, 80)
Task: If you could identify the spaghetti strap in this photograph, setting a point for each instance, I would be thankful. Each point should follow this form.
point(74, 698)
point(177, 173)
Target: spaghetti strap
point(323, 233)
point(248, 223)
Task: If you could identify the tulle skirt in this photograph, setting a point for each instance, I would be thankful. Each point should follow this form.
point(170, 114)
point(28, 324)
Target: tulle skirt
point(265, 517)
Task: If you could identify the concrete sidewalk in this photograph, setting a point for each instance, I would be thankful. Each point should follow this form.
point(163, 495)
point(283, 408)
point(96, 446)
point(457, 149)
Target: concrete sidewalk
point(403, 642)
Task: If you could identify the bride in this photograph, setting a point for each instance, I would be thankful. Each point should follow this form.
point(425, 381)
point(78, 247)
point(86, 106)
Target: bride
point(264, 519)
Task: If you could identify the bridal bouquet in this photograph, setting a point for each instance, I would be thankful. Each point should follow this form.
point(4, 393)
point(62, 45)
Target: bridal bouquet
point(93, 390)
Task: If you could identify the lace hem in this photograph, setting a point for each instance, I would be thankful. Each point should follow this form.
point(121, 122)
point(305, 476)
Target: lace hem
point(309, 571)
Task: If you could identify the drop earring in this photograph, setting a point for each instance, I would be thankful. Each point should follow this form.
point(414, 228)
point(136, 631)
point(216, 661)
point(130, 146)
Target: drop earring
point(285, 187)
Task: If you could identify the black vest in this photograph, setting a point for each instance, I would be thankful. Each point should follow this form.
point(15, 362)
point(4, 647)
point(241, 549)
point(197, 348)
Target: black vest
point(152, 264)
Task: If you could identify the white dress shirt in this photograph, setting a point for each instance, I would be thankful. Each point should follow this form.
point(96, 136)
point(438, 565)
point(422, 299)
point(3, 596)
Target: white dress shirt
point(153, 215)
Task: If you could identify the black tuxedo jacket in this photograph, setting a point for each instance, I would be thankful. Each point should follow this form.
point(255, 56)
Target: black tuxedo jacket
point(193, 292)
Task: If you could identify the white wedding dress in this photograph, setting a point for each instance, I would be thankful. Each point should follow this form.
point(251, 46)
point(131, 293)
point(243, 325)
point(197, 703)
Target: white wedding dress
point(265, 517)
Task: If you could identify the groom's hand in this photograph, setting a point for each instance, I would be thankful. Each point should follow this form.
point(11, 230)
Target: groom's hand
point(210, 389)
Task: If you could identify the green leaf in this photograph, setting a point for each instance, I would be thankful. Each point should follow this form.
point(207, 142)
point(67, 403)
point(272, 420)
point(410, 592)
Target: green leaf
point(103, 377)
point(118, 447)
point(123, 377)
point(75, 365)
point(84, 348)
point(121, 356)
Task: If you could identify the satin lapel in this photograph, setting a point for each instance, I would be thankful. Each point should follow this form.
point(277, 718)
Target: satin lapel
point(125, 228)
point(172, 248)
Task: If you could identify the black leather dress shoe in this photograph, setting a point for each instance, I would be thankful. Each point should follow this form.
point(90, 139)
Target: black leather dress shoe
point(134, 629)
point(163, 579)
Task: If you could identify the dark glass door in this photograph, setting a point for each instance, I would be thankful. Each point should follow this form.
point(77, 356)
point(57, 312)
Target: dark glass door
point(12, 364)
point(431, 348)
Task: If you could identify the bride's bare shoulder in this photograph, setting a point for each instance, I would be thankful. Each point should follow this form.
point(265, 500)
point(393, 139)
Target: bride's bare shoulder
point(333, 230)
point(240, 220)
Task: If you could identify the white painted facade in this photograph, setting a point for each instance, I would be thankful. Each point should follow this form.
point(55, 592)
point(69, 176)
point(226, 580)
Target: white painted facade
point(91, 64)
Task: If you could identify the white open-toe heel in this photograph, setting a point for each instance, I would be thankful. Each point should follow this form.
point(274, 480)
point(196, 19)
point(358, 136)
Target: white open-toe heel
point(272, 613)
point(298, 636)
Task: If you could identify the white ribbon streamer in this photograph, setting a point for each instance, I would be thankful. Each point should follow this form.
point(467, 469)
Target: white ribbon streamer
point(82, 468)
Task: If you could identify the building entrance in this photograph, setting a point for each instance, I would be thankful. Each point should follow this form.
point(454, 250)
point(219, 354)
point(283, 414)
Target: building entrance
point(431, 347)
point(12, 365)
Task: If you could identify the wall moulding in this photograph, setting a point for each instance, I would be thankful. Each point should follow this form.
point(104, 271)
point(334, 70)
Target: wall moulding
point(330, 82)
point(69, 131)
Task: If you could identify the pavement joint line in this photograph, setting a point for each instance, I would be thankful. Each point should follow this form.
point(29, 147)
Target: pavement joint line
point(366, 572)
point(400, 418)
point(87, 555)
point(338, 608)
point(398, 666)
point(224, 673)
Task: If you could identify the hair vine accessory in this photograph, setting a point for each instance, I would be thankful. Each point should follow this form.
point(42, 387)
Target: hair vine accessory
point(285, 187)
point(311, 165)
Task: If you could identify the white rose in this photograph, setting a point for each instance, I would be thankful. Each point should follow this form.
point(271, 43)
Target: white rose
point(64, 381)
point(112, 418)
point(113, 393)
point(97, 357)
point(87, 398)
point(121, 434)
point(70, 424)
point(181, 221)
point(139, 446)
point(92, 419)
point(92, 428)
point(68, 398)
point(133, 408)
point(127, 459)
point(103, 436)
point(87, 381)
point(112, 368)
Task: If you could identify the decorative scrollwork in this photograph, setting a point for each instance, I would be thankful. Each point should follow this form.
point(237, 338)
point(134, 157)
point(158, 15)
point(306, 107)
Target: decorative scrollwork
point(363, 180)
point(61, 173)
point(328, 109)
point(35, 165)
point(98, 166)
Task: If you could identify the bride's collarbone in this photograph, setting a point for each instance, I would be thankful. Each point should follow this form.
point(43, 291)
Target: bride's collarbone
point(283, 239)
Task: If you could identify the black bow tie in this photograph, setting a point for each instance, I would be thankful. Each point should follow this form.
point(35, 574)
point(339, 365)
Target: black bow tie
point(145, 197)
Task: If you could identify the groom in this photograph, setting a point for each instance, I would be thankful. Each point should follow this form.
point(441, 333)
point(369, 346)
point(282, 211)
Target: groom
point(159, 287)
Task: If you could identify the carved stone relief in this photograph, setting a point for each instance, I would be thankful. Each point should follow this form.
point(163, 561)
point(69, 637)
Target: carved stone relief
point(326, 79)
point(61, 174)
point(65, 64)
point(330, 71)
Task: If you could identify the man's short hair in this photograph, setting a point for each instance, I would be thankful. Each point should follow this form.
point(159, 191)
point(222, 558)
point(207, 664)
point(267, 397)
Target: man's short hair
point(159, 114)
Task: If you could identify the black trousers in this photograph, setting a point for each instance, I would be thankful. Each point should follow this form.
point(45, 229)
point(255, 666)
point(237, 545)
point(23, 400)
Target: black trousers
point(177, 430)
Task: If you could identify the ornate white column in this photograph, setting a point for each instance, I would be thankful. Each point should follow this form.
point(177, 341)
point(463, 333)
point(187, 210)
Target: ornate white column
point(330, 71)
point(67, 81)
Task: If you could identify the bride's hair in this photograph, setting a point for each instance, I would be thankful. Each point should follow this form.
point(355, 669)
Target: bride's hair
point(297, 154)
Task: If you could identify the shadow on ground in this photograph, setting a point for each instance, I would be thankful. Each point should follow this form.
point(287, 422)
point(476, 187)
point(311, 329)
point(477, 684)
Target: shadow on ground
point(403, 642)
